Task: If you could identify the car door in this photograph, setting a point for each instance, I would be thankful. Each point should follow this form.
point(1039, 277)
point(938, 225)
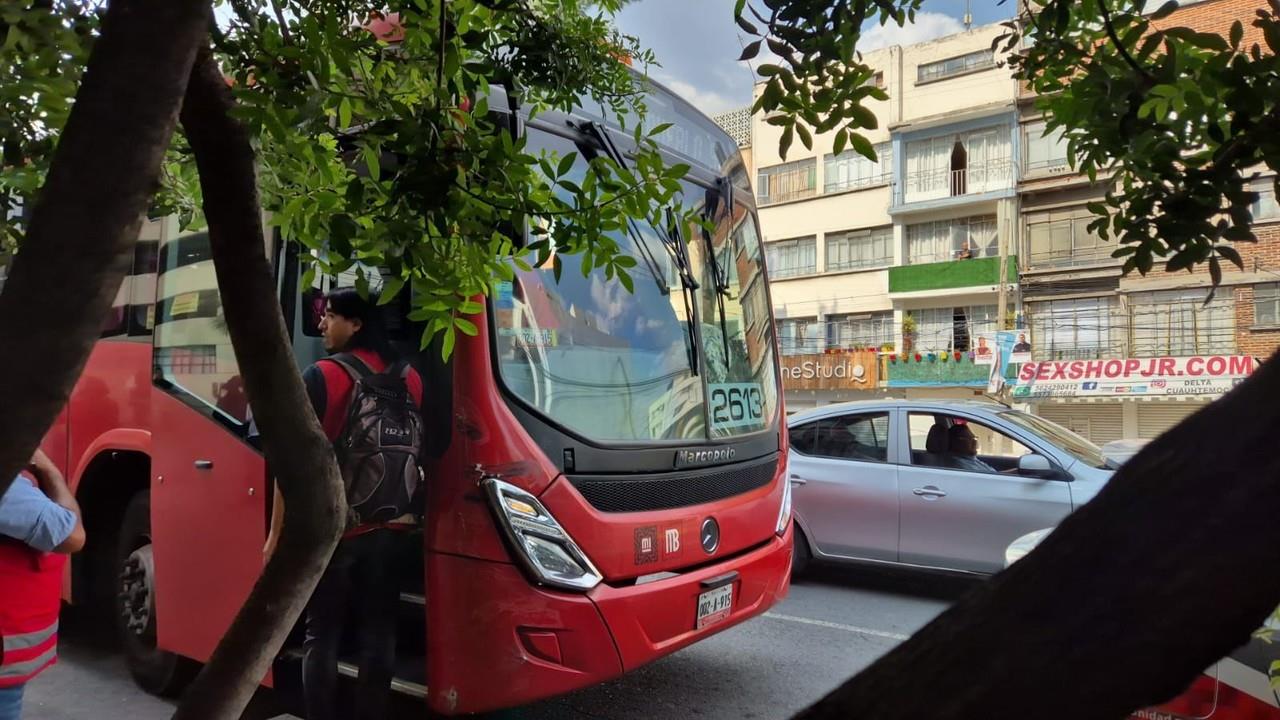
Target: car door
point(846, 485)
point(960, 513)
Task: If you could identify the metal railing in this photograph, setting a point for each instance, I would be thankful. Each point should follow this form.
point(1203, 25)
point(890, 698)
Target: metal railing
point(976, 179)
point(782, 186)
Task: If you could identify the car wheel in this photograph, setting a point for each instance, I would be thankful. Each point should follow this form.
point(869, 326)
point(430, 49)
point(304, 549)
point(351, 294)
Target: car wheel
point(157, 671)
point(801, 556)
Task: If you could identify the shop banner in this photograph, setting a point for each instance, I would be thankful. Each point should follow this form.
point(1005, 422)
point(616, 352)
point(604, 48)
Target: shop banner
point(836, 371)
point(1198, 375)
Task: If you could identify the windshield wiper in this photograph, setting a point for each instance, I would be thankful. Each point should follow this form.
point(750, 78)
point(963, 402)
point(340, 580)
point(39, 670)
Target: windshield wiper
point(720, 275)
point(675, 247)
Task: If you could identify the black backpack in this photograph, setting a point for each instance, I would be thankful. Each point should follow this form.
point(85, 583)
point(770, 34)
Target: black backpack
point(380, 443)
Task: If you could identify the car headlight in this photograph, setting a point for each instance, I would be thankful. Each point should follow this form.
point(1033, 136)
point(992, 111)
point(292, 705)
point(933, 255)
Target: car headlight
point(784, 512)
point(543, 547)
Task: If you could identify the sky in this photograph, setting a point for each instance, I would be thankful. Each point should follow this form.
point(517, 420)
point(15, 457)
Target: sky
point(698, 44)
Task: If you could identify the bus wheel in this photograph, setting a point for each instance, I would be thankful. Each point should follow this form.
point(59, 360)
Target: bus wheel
point(800, 553)
point(155, 670)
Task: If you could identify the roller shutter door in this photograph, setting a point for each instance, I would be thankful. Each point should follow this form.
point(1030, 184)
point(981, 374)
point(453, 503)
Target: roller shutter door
point(1098, 422)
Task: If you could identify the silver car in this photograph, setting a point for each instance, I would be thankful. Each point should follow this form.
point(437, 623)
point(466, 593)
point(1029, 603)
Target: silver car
point(941, 485)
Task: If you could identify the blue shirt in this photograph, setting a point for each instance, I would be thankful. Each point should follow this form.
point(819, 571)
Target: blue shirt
point(29, 516)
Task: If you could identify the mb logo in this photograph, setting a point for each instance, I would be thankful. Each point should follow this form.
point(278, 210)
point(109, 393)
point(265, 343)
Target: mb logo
point(673, 540)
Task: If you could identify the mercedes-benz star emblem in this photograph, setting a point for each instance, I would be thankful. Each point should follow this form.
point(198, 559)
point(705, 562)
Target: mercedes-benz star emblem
point(710, 535)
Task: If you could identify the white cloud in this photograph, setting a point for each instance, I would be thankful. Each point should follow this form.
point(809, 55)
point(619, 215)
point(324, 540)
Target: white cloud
point(709, 102)
point(928, 26)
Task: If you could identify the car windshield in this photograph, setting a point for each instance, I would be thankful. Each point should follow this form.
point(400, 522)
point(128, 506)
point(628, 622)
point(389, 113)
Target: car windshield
point(1060, 437)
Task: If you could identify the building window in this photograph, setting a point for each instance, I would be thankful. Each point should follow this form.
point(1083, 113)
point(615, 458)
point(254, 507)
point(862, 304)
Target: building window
point(961, 238)
point(802, 336)
point(1044, 153)
point(1058, 238)
point(1178, 322)
point(977, 161)
point(1083, 329)
point(1266, 304)
point(946, 329)
point(789, 181)
point(1265, 207)
point(788, 258)
point(967, 63)
point(878, 79)
point(857, 249)
point(860, 330)
point(850, 170)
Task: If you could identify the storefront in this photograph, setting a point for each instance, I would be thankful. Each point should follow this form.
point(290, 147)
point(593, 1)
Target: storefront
point(1105, 400)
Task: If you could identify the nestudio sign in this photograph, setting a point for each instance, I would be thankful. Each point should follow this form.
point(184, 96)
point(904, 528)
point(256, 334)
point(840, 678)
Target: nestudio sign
point(829, 372)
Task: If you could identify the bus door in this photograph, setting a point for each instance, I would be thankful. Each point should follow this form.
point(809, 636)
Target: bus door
point(208, 485)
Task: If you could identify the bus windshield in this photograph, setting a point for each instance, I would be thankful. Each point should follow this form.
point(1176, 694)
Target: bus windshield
point(613, 365)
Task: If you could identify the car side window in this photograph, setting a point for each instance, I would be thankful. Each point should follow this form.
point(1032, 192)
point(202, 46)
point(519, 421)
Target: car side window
point(958, 443)
point(862, 437)
point(804, 437)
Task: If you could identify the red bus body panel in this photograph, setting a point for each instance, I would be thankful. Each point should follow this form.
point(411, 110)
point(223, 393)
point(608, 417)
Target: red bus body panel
point(494, 638)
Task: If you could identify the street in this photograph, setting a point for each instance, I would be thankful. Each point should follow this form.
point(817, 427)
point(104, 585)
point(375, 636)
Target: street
point(834, 623)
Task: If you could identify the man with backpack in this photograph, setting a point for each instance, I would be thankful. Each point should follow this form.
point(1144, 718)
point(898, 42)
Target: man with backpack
point(369, 405)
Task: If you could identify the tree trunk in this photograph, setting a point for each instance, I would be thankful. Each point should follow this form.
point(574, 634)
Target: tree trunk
point(1170, 568)
point(83, 226)
point(296, 448)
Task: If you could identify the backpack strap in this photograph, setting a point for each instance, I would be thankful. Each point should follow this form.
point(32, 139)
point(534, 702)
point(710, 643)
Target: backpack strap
point(353, 365)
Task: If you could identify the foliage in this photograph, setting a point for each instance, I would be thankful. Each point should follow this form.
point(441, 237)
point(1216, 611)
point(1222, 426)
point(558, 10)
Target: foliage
point(43, 49)
point(1181, 119)
point(1176, 121)
point(819, 82)
point(379, 150)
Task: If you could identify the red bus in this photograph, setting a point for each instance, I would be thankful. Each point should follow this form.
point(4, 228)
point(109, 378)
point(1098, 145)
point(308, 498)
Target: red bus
point(1237, 687)
point(605, 470)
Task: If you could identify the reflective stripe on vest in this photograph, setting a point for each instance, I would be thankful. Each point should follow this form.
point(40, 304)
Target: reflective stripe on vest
point(28, 640)
point(19, 672)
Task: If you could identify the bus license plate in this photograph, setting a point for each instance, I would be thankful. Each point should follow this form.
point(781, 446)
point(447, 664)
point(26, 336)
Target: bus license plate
point(714, 605)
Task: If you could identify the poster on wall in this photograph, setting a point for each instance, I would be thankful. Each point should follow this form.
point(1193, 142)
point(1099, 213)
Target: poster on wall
point(1001, 353)
point(984, 350)
point(1021, 348)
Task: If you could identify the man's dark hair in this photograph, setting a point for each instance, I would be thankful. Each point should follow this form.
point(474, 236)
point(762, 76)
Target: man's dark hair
point(372, 335)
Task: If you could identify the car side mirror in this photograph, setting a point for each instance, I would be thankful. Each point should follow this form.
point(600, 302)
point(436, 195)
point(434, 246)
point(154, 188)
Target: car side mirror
point(1036, 466)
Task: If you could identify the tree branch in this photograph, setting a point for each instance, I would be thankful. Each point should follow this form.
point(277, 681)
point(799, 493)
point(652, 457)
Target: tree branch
point(296, 448)
point(1115, 40)
point(89, 211)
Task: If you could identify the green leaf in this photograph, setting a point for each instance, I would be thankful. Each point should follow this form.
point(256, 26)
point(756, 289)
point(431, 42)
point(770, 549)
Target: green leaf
point(805, 137)
point(450, 339)
point(625, 278)
point(862, 146)
point(660, 129)
point(466, 326)
point(1231, 254)
point(1165, 10)
point(566, 164)
point(390, 289)
point(842, 139)
point(470, 307)
point(784, 144)
point(750, 51)
point(1237, 34)
point(344, 114)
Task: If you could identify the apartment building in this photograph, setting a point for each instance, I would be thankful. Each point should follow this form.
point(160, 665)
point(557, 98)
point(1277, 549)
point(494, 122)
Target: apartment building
point(1078, 307)
point(884, 273)
point(911, 254)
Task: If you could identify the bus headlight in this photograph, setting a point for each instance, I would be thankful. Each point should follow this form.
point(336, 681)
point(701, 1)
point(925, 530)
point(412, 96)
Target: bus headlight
point(784, 512)
point(543, 547)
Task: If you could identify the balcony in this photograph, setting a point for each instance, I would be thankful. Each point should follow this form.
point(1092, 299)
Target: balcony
point(950, 274)
point(976, 180)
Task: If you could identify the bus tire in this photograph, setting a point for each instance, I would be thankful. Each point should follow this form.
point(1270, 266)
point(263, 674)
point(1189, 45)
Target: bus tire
point(157, 671)
point(801, 555)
